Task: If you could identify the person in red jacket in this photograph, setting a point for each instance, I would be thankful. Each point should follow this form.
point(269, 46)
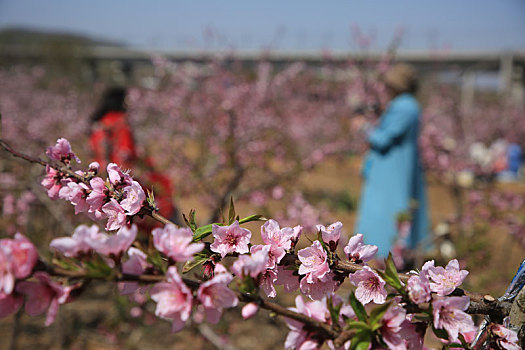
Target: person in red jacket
point(112, 141)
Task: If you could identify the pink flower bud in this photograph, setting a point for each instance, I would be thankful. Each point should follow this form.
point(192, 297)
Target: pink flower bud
point(249, 310)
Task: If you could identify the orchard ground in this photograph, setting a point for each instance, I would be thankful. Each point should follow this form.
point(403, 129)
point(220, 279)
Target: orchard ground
point(103, 319)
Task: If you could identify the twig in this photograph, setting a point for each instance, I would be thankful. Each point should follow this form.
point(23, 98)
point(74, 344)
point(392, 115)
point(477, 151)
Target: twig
point(213, 338)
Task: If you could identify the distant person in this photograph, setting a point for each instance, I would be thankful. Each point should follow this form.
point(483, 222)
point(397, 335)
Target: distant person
point(111, 138)
point(393, 176)
point(112, 141)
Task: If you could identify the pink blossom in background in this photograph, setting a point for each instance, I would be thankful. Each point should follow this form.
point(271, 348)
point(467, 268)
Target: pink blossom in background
point(445, 280)
point(174, 299)
point(176, 242)
point(358, 252)
point(215, 296)
point(18, 256)
point(505, 338)
point(230, 239)
point(21, 253)
point(134, 198)
point(61, 151)
point(251, 265)
point(249, 310)
point(370, 287)
point(449, 315)
point(332, 233)
point(77, 243)
point(116, 215)
point(135, 265)
point(42, 295)
point(113, 244)
point(52, 182)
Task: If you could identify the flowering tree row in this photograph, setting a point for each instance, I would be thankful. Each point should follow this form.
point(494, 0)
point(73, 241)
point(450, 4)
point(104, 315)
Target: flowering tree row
point(385, 310)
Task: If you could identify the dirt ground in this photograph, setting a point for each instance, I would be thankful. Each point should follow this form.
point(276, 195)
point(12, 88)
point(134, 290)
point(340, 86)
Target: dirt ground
point(102, 320)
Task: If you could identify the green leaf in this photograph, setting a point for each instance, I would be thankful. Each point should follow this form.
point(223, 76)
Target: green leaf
point(231, 213)
point(440, 333)
point(323, 244)
point(190, 221)
point(391, 276)
point(156, 260)
point(97, 268)
point(199, 259)
point(334, 311)
point(376, 315)
point(204, 231)
point(352, 324)
point(361, 340)
point(359, 309)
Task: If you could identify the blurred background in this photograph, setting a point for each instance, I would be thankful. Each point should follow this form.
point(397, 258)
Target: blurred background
point(262, 102)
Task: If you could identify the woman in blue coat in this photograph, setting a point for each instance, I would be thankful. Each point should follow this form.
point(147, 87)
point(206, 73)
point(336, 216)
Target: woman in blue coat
point(392, 170)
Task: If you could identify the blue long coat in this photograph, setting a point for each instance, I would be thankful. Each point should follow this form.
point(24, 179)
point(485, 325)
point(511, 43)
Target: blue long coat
point(393, 177)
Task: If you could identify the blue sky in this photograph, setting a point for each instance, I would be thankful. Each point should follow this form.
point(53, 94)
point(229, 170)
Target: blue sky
point(288, 25)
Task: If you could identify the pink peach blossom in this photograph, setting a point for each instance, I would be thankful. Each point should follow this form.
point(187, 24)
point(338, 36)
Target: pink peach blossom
point(21, 253)
point(505, 338)
point(287, 279)
point(116, 215)
point(249, 310)
point(117, 176)
point(77, 194)
point(370, 287)
point(449, 315)
point(176, 242)
point(445, 280)
point(9, 304)
point(98, 195)
point(230, 239)
point(275, 254)
point(314, 261)
point(113, 244)
point(251, 265)
point(135, 265)
point(215, 296)
point(134, 198)
point(272, 234)
point(392, 321)
point(77, 243)
point(332, 233)
point(61, 151)
point(52, 182)
point(318, 288)
point(44, 294)
point(358, 252)
point(267, 281)
point(419, 289)
point(174, 299)
point(299, 337)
